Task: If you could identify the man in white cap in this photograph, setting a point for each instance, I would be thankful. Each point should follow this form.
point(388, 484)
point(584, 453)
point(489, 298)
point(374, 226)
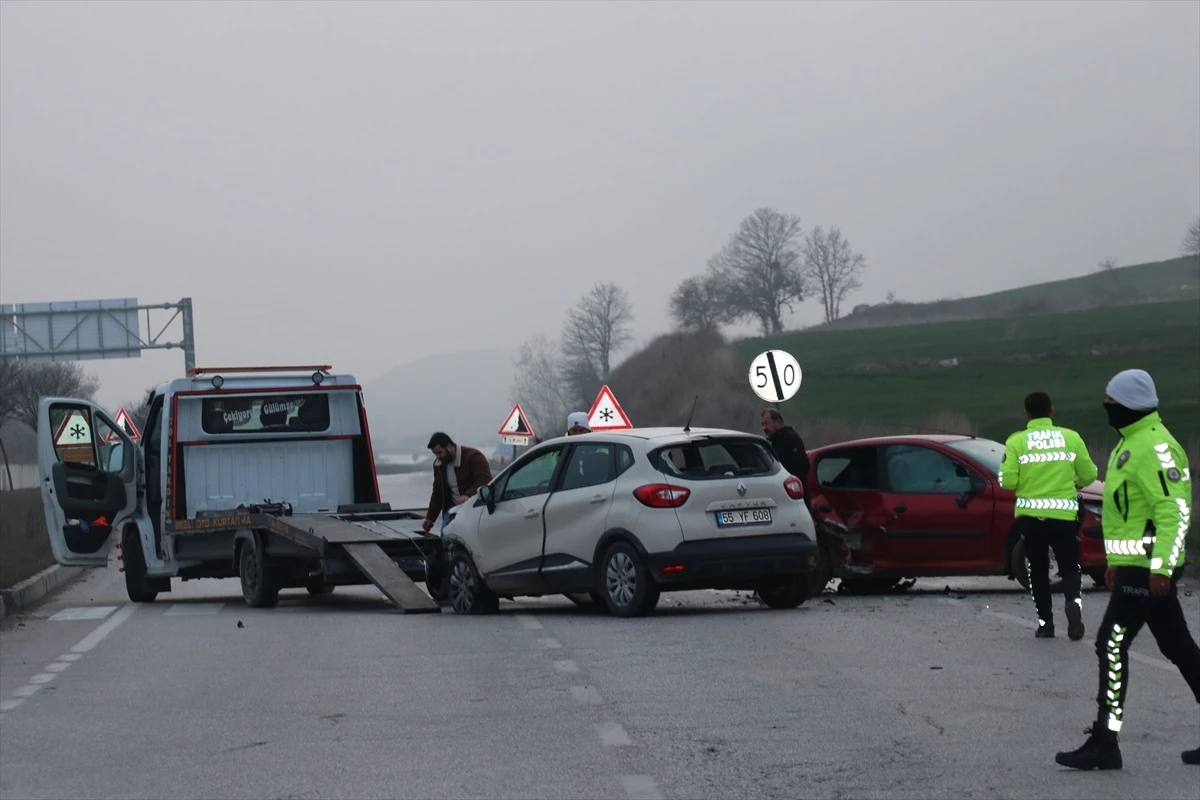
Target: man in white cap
point(1146, 515)
point(577, 423)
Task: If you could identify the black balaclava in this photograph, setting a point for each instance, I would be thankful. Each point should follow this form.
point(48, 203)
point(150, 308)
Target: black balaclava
point(1121, 417)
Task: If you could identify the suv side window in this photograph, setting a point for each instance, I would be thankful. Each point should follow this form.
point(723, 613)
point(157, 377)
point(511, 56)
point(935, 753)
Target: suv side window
point(852, 468)
point(913, 469)
point(589, 465)
point(532, 478)
point(624, 459)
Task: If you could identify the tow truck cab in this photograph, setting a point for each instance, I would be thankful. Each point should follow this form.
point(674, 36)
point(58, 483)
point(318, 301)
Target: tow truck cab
point(214, 443)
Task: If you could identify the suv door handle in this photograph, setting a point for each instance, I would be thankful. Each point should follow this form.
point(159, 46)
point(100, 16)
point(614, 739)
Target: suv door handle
point(900, 509)
point(531, 513)
point(597, 499)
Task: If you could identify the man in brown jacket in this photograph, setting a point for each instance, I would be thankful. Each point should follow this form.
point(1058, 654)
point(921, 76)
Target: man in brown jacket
point(455, 486)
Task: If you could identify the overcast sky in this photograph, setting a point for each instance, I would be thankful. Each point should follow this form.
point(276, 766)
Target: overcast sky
point(366, 184)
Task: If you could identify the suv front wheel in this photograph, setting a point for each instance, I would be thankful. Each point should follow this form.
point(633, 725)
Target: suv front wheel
point(625, 582)
point(468, 593)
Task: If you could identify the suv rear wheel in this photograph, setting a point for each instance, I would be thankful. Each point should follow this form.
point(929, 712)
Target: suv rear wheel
point(625, 582)
point(786, 591)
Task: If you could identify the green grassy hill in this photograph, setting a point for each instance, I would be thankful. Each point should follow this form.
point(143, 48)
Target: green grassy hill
point(982, 369)
point(1175, 279)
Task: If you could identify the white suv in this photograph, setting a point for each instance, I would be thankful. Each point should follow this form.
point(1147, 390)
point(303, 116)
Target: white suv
point(620, 516)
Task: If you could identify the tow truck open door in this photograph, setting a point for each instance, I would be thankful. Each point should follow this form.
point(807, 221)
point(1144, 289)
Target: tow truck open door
point(89, 473)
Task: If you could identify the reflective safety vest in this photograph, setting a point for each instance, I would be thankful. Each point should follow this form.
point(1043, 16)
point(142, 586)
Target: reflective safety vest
point(1147, 499)
point(1045, 464)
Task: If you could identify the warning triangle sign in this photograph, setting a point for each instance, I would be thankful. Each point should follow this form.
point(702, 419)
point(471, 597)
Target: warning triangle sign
point(127, 425)
point(517, 424)
point(75, 431)
point(606, 413)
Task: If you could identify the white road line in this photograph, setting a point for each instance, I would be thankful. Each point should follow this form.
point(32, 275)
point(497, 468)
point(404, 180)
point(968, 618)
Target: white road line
point(69, 657)
point(1166, 666)
point(529, 622)
point(613, 735)
point(85, 612)
point(640, 787)
point(567, 666)
point(11, 703)
point(87, 643)
point(586, 695)
point(193, 609)
point(56, 666)
point(26, 691)
point(42, 677)
point(550, 644)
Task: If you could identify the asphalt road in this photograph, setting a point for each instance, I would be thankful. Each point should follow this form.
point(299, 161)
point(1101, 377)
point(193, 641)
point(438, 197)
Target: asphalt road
point(919, 695)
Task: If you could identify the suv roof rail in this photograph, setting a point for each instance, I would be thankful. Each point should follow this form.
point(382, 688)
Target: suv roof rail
point(301, 368)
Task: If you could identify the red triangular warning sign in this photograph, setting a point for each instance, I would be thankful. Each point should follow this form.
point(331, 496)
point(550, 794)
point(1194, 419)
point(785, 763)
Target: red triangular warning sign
point(126, 425)
point(516, 424)
point(606, 413)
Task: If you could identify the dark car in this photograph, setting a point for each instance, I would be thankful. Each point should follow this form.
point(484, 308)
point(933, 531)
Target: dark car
point(919, 506)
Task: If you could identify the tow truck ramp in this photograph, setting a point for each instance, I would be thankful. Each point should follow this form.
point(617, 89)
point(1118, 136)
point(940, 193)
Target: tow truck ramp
point(390, 579)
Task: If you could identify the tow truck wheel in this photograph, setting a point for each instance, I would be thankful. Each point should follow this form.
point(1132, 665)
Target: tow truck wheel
point(134, 561)
point(260, 582)
point(468, 593)
point(318, 587)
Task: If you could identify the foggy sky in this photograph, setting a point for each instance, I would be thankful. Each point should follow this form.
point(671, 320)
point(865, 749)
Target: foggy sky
point(366, 184)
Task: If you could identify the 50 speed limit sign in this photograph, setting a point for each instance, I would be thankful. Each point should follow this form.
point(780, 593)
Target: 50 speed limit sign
point(775, 376)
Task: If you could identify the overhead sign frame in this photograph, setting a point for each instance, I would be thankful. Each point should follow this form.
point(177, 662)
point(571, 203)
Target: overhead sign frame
point(606, 413)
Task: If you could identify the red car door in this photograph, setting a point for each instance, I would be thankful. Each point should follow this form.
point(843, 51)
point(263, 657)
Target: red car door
point(939, 510)
point(847, 491)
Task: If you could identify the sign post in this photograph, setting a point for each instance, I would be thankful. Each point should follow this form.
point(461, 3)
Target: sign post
point(775, 376)
point(606, 413)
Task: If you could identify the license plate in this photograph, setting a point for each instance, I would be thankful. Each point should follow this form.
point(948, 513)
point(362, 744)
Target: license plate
point(753, 516)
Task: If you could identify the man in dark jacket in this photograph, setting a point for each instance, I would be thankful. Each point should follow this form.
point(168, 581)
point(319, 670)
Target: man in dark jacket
point(788, 447)
point(458, 473)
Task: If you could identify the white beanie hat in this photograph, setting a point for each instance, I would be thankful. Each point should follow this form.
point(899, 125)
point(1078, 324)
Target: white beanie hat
point(1134, 389)
point(577, 418)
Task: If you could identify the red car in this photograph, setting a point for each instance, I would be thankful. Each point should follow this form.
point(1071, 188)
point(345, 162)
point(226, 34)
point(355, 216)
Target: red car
point(897, 507)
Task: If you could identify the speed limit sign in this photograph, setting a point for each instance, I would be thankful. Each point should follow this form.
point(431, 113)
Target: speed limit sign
point(775, 376)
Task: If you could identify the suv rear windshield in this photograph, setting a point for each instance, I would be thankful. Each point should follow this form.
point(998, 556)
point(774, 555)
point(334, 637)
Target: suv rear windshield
point(715, 458)
point(267, 414)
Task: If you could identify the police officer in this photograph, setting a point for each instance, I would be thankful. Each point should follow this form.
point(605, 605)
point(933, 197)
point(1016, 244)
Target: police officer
point(577, 423)
point(1146, 515)
point(1046, 464)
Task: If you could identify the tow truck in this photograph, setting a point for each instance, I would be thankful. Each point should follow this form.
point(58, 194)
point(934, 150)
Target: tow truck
point(266, 474)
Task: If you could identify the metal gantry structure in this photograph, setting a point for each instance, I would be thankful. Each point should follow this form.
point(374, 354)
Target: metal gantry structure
point(84, 330)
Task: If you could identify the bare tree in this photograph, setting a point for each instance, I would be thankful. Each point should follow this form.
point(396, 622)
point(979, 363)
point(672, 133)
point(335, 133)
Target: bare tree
point(1107, 264)
point(1191, 241)
point(595, 330)
point(35, 381)
point(539, 387)
point(697, 304)
point(759, 269)
point(833, 266)
point(8, 405)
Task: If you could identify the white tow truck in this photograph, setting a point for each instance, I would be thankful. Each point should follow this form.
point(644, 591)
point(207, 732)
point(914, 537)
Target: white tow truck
point(266, 474)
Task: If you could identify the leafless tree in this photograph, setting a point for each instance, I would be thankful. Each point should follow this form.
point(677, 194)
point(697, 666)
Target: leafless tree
point(595, 330)
point(8, 405)
point(697, 304)
point(1107, 264)
point(833, 266)
point(759, 271)
point(1191, 241)
point(539, 387)
point(32, 382)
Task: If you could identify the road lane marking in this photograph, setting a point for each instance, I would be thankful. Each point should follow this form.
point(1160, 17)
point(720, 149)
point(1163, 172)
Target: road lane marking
point(1151, 661)
point(586, 695)
point(42, 677)
point(56, 666)
point(26, 691)
point(568, 666)
point(84, 612)
point(613, 735)
point(87, 643)
point(11, 703)
point(640, 787)
point(529, 622)
point(69, 657)
point(550, 644)
point(193, 609)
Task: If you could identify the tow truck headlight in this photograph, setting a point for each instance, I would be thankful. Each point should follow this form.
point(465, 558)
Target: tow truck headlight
point(317, 377)
point(217, 381)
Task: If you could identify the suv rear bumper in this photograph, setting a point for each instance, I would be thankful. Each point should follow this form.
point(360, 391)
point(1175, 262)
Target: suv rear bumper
point(732, 562)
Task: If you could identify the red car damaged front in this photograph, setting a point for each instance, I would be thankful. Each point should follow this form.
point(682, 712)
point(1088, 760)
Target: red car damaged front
point(897, 507)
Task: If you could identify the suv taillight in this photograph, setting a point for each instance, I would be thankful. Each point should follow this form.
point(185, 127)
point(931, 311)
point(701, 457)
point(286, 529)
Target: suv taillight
point(795, 488)
point(661, 495)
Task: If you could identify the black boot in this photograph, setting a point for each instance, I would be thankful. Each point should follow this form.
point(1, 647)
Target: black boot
point(1074, 611)
point(1191, 756)
point(1100, 751)
point(1045, 631)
